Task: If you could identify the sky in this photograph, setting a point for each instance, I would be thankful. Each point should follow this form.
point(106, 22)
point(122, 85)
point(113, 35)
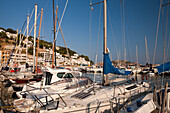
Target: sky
point(128, 22)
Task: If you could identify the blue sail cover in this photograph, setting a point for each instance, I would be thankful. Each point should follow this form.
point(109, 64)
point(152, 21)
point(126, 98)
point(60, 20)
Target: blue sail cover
point(166, 67)
point(109, 68)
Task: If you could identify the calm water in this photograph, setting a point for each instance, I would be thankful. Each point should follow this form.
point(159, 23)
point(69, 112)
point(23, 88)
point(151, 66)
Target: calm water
point(153, 80)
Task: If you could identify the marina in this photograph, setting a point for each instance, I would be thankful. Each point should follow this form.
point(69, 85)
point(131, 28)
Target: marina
point(79, 99)
point(40, 76)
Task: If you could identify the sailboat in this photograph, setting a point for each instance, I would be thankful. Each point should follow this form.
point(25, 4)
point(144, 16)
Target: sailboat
point(80, 95)
point(164, 68)
point(97, 97)
point(18, 75)
point(159, 99)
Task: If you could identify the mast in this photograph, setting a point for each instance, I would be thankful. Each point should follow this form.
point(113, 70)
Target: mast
point(54, 31)
point(147, 56)
point(125, 57)
point(96, 60)
point(27, 38)
point(137, 55)
point(61, 32)
point(105, 25)
point(105, 35)
point(38, 41)
point(35, 23)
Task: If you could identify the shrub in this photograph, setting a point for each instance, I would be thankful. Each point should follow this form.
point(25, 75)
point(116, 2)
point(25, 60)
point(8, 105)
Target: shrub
point(11, 38)
point(30, 50)
point(3, 35)
point(11, 30)
point(6, 40)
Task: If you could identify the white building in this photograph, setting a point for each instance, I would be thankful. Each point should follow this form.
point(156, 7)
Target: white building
point(1, 30)
point(11, 35)
point(82, 61)
point(29, 44)
point(75, 56)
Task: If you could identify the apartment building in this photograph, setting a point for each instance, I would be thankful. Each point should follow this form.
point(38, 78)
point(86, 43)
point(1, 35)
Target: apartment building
point(4, 56)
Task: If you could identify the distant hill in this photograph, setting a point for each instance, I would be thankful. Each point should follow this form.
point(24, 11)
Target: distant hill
point(115, 62)
point(122, 62)
point(11, 41)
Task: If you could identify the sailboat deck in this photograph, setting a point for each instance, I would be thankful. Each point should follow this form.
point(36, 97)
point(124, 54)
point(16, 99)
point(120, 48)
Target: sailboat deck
point(96, 99)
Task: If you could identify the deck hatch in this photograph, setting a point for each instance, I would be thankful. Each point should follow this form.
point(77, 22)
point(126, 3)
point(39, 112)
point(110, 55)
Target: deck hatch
point(131, 87)
point(81, 95)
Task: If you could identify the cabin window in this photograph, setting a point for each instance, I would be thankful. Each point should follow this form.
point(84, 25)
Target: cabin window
point(131, 87)
point(68, 75)
point(129, 81)
point(60, 75)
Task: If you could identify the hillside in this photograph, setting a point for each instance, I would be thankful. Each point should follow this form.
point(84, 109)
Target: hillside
point(8, 39)
point(117, 62)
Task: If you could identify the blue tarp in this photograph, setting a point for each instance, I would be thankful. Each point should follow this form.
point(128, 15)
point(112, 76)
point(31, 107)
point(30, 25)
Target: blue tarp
point(166, 67)
point(109, 68)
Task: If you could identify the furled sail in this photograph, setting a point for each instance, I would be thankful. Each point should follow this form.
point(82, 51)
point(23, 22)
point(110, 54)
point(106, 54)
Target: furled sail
point(163, 68)
point(109, 68)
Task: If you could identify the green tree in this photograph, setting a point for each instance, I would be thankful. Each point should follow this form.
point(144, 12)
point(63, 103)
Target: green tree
point(30, 50)
point(23, 51)
point(11, 30)
point(85, 57)
point(41, 43)
point(30, 38)
point(11, 38)
point(40, 55)
point(3, 35)
point(71, 52)
point(45, 44)
point(6, 40)
point(91, 62)
point(63, 51)
point(13, 43)
point(2, 28)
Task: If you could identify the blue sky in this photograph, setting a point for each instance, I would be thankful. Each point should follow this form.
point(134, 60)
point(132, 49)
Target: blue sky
point(81, 25)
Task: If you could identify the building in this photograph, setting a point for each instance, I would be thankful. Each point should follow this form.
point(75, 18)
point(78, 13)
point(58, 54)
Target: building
point(18, 58)
point(1, 30)
point(11, 35)
point(5, 54)
point(29, 44)
point(82, 61)
point(45, 58)
point(75, 56)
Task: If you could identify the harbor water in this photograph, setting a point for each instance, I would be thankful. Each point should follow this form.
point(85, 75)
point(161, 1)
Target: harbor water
point(154, 80)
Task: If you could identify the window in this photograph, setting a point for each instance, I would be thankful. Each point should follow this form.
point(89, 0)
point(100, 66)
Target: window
point(68, 75)
point(60, 75)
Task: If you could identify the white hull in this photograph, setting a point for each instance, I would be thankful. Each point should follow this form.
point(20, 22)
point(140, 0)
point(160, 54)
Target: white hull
point(102, 96)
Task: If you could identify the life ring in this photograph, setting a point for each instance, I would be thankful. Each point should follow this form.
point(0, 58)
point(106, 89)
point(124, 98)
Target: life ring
point(144, 77)
point(16, 65)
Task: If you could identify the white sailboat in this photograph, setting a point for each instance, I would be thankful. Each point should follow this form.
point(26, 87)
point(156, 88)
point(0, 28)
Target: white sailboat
point(137, 70)
point(96, 98)
point(157, 101)
point(79, 95)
